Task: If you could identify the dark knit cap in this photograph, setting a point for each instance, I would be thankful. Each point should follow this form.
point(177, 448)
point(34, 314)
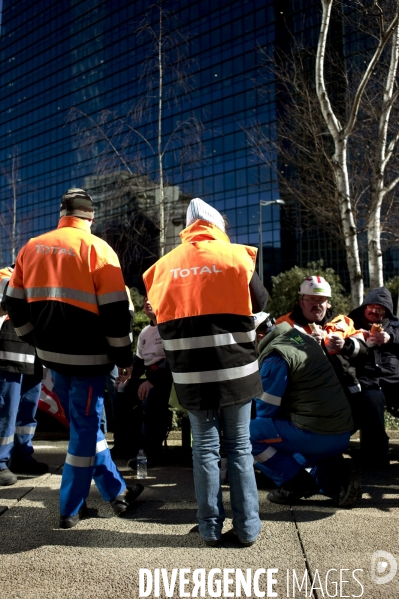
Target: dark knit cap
point(76, 202)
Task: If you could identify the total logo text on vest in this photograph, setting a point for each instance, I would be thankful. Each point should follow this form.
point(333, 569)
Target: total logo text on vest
point(193, 270)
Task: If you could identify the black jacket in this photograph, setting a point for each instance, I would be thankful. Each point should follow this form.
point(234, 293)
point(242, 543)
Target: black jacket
point(16, 356)
point(381, 366)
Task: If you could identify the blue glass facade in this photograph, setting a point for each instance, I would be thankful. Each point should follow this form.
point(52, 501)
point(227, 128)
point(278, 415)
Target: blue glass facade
point(59, 54)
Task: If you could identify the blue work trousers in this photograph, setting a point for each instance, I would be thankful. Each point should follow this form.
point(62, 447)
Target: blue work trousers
point(281, 449)
point(19, 396)
point(88, 455)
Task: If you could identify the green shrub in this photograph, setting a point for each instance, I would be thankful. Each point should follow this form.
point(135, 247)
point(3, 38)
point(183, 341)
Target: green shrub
point(140, 319)
point(391, 422)
point(393, 286)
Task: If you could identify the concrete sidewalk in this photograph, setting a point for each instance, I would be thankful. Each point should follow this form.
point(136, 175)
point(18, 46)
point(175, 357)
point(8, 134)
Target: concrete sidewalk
point(101, 557)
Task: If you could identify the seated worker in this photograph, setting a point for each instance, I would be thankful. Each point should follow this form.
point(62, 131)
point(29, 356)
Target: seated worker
point(337, 335)
point(379, 374)
point(303, 420)
point(150, 396)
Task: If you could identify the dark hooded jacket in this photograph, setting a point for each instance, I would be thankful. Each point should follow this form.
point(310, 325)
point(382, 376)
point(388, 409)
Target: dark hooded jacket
point(381, 367)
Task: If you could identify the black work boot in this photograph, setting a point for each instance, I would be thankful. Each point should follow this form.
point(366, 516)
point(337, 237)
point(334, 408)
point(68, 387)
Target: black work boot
point(350, 492)
point(7, 478)
point(209, 542)
point(71, 521)
point(124, 501)
point(31, 466)
point(302, 485)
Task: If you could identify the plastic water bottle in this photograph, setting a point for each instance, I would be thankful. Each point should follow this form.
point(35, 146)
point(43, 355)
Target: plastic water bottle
point(141, 464)
point(121, 387)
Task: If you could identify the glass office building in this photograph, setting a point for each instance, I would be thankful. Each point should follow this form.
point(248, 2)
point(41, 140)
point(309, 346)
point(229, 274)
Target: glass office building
point(86, 54)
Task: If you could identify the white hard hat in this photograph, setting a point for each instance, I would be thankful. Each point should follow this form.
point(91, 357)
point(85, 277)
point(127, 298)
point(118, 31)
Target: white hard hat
point(315, 286)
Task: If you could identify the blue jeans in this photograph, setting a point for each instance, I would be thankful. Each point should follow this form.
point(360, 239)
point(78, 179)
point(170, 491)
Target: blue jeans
point(88, 455)
point(205, 426)
point(19, 396)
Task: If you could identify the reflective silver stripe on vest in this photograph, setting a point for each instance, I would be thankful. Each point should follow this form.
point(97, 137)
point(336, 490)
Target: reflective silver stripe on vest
point(269, 398)
point(120, 341)
point(109, 298)
point(14, 292)
point(14, 357)
point(101, 446)
point(356, 347)
point(77, 360)
point(25, 430)
point(62, 293)
point(6, 440)
point(265, 455)
point(355, 388)
point(3, 284)
point(78, 461)
point(208, 341)
point(214, 376)
point(25, 329)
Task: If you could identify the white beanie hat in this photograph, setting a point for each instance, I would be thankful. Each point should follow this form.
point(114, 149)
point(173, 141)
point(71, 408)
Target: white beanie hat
point(200, 210)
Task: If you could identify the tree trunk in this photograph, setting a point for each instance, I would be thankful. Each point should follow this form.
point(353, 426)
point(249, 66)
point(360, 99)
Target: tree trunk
point(383, 153)
point(348, 223)
point(374, 245)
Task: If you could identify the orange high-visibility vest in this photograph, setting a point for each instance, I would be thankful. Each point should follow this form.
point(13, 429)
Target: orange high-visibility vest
point(5, 275)
point(15, 355)
point(341, 324)
point(67, 289)
point(200, 295)
point(205, 275)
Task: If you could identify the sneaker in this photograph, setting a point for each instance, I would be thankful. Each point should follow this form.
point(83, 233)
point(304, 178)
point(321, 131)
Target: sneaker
point(351, 485)
point(29, 466)
point(7, 478)
point(71, 521)
point(124, 501)
point(209, 542)
point(302, 485)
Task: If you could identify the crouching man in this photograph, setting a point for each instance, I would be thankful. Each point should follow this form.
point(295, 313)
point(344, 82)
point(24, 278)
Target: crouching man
point(303, 421)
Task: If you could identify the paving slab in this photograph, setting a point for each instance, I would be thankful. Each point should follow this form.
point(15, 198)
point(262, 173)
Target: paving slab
point(102, 556)
point(346, 539)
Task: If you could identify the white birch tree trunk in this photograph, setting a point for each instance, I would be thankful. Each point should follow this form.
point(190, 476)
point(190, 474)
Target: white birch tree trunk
point(349, 228)
point(383, 152)
point(340, 137)
point(374, 247)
